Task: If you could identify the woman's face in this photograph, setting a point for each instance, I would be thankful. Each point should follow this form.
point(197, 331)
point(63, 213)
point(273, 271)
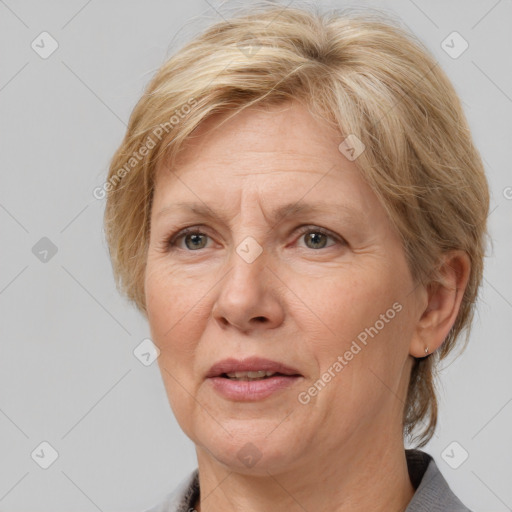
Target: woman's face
point(325, 292)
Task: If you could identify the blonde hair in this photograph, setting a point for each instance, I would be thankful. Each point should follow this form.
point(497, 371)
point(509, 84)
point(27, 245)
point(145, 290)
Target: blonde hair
point(364, 75)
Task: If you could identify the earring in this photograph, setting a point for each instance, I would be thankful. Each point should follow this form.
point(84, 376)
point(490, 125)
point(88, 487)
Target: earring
point(426, 350)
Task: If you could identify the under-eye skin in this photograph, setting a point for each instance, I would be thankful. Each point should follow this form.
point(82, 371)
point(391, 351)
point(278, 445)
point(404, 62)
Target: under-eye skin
point(194, 234)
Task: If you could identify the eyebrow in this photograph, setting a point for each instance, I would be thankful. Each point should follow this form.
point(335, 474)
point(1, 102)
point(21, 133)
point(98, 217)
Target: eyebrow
point(287, 210)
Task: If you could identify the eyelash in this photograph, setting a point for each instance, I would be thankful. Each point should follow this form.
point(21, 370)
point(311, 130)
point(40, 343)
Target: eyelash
point(170, 242)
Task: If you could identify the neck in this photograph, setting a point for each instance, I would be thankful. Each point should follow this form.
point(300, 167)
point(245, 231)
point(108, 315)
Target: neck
point(366, 476)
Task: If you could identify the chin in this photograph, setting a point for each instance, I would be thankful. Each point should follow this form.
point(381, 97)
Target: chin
point(250, 460)
point(257, 450)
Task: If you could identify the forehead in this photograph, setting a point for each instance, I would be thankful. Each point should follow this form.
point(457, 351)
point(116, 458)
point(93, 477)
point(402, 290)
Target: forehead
point(277, 157)
point(268, 164)
point(288, 134)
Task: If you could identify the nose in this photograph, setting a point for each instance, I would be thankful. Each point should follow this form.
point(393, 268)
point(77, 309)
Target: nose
point(250, 296)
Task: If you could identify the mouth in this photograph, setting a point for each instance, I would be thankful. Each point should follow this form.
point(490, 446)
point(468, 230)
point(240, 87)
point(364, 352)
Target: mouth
point(251, 379)
point(253, 368)
point(251, 376)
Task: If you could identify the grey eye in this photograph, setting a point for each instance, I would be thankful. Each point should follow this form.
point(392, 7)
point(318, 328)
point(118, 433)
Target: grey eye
point(317, 239)
point(195, 239)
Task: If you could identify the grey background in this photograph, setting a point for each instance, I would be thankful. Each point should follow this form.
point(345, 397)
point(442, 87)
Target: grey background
point(68, 374)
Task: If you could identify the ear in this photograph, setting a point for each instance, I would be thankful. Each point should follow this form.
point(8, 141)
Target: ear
point(444, 297)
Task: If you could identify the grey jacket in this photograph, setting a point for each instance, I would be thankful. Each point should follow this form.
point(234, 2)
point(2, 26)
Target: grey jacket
point(432, 491)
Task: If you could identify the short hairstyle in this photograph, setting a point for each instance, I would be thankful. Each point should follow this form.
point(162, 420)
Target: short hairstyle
point(367, 77)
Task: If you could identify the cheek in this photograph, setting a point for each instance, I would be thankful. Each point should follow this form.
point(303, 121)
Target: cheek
point(173, 305)
point(173, 309)
point(361, 317)
point(341, 307)
point(359, 341)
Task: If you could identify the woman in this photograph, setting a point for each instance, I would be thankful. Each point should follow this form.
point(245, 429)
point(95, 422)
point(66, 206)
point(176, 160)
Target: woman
point(299, 210)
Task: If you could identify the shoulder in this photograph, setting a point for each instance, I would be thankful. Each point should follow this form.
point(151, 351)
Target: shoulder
point(433, 494)
point(182, 498)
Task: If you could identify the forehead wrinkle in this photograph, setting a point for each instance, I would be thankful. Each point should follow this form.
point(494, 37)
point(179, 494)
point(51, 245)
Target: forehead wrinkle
point(276, 215)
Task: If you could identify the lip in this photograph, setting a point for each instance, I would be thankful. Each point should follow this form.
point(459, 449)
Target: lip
point(251, 364)
point(251, 391)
